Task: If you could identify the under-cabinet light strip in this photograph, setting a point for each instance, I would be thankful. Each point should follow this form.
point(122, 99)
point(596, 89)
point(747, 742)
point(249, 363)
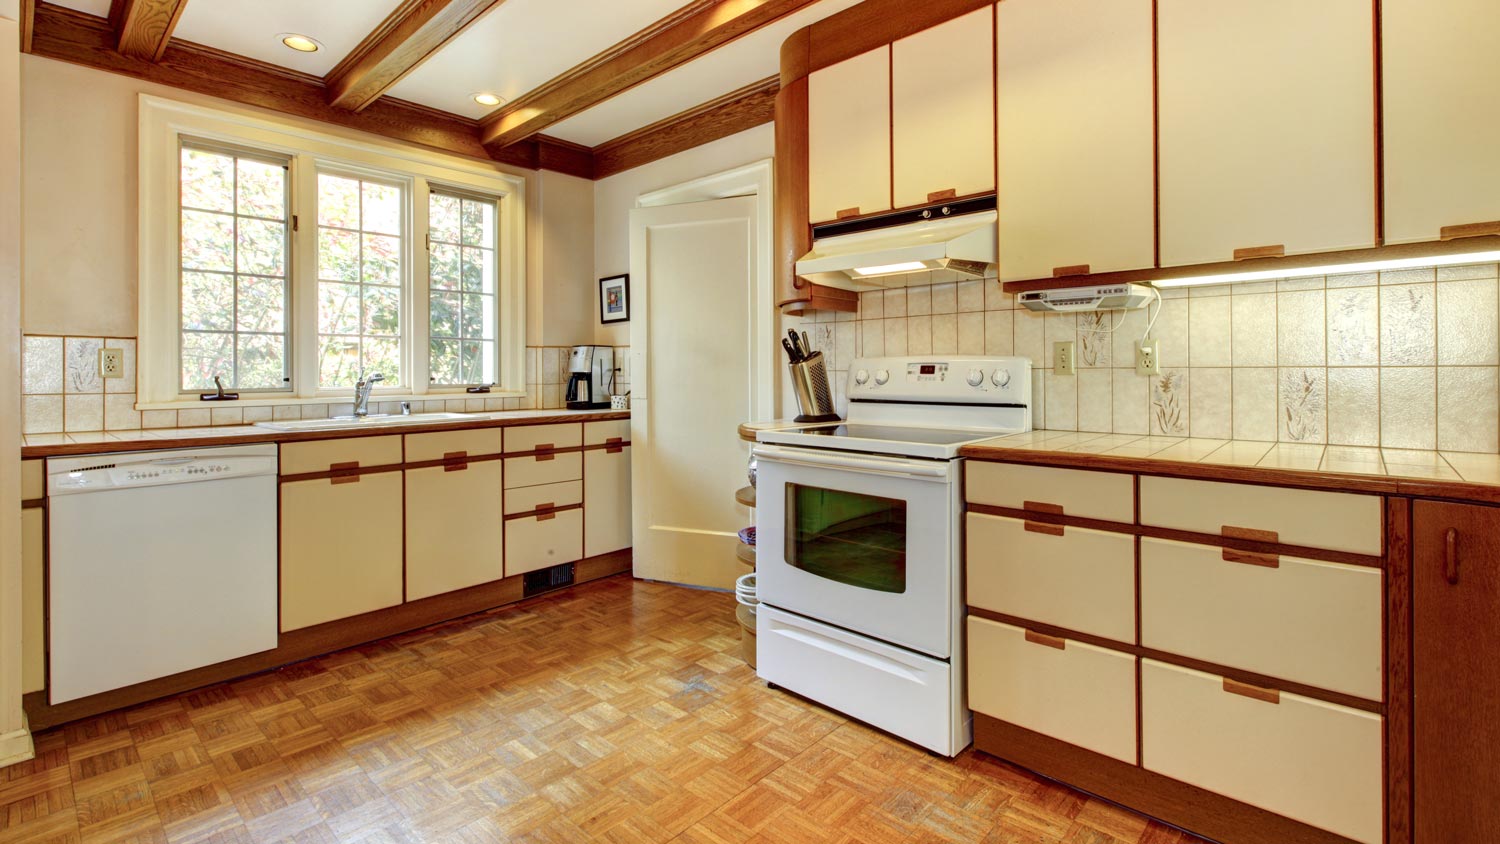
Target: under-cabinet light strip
point(1332, 269)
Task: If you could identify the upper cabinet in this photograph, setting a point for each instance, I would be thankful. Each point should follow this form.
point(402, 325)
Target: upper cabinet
point(849, 137)
point(1439, 77)
point(943, 110)
point(1267, 127)
point(1075, 137)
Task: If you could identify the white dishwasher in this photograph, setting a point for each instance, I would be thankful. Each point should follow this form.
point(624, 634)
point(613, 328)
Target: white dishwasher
point(159, 562)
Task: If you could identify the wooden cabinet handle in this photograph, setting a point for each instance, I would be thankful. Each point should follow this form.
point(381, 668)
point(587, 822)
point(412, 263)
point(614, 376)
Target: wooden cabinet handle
point(455, 461)
point(1070, 269)
point(1469, 230)
point(1450, 557)
point(1275, 250)
point(942, 195)
point(1036, 638)
point(1235, 687)
point(344, 473)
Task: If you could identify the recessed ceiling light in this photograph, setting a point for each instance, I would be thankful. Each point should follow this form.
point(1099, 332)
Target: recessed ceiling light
point(300, 43)
point(485, 98)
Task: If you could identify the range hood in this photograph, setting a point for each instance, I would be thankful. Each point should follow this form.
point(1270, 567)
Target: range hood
point(886, 252)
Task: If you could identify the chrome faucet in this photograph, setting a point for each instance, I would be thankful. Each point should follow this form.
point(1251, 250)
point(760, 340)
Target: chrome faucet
point(362, 389)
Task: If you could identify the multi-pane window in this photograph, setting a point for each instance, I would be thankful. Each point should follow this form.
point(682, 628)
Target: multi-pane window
point(359, 280)
point(462, 276)
point(232, 262)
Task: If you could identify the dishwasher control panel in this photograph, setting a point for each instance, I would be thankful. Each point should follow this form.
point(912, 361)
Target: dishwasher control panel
point(143, 469)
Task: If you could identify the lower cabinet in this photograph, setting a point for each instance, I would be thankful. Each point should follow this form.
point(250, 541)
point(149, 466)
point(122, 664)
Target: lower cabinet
point(606, 502)
point(454, 528)
point(341, 547)
point(33, 611)
point(543, 540)
point(1455, 672)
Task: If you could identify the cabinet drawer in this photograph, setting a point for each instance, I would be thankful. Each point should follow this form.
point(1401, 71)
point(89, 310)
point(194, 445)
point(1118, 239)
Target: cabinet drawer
point(1083, 580)
point(543, 469)
point(323, 455)
point(1078, 693)
point(603, 433)
point(537, 542)
point(1306, 621)
point(1336, 521)
point(527, 498)
point(534, 437)
point(341, 548)
point(478, 442)
point(1311, 761)
point(1092, 495)
point(33, 479)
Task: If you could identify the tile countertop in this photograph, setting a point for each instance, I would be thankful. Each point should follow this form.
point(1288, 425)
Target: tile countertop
point(1443, 474)
point(57, 445)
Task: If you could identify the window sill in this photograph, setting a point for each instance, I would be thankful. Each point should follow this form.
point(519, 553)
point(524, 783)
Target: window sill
point(332, 398)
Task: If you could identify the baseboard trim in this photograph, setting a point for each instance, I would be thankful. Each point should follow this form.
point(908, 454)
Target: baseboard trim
point(16, 745)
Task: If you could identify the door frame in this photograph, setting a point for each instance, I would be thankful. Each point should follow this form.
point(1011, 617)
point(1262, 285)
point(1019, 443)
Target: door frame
point(756, 179)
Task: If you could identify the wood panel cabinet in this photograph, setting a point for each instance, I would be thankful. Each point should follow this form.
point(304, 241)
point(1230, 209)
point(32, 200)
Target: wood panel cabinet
point(943, 110)
point(849, 136)
point(1438, 78)
point(341, 547)
point(1075, 136)
point(454, 527)
point(1455, 672)
point(1266, 127)
point(33, 610)
point(606, 503)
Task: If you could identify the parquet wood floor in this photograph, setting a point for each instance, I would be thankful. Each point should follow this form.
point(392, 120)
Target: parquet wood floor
point(615, 712)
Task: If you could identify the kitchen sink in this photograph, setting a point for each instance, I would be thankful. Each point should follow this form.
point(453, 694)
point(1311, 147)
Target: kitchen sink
point(374, 420)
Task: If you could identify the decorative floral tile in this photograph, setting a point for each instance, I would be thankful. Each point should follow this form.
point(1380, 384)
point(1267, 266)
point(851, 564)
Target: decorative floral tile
point(1169, 403)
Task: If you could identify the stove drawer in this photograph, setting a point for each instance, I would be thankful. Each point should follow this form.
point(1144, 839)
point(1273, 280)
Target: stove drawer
point(888, 687)
point(1071, 577)
point(1108, 496)
point(1077, 693)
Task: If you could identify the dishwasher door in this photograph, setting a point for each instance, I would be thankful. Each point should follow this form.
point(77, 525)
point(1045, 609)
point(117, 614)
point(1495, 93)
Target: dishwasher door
point(158, 563)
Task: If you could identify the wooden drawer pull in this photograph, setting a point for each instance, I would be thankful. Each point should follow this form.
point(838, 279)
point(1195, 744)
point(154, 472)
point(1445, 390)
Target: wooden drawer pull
point(545, 517)
point(1450, 556)
point(1046, 528)
point(1235, 687)
point(1469, 230)
point(1252, 534)
point(846, 213)
point(1274, 251)
point(1039, 507)
point(614, 445)
point(344, 473)
point(1251, 558)
point(1043, 639)
point(1071, 269)
point(941, 195)
point(543, 452)
point(455, 461)
point(614, 441)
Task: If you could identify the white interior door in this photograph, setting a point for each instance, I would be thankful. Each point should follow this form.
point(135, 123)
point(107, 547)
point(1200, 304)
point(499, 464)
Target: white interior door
point(693, 277)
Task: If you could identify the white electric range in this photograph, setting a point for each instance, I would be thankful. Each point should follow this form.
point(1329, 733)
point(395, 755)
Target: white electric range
point(860, 524)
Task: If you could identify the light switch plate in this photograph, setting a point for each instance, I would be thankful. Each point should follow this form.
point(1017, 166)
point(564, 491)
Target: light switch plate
point(111, 363)
point(1064, 358)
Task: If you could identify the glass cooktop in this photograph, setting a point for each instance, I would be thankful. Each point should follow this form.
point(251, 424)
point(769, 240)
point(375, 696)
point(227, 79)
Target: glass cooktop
point(894, 433)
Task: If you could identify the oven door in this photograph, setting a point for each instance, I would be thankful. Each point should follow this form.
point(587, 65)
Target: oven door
point(865, 542)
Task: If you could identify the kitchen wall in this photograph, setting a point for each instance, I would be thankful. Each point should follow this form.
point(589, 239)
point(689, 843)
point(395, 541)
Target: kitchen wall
point(61, 391)
point(1402, 359)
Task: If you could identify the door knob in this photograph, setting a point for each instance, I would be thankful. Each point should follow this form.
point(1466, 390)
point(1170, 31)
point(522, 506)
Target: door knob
point(1450, 557)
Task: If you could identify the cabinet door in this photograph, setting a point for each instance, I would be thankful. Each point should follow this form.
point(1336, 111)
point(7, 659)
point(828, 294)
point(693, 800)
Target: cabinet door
point(943, 109)
point(849, 136)
point(1267, 116)
point(33, 612)
point(1439, 78)
point(454, 535)
point(1456, 672)
point(606, 505)
point(1076, 140)
point(340, 548)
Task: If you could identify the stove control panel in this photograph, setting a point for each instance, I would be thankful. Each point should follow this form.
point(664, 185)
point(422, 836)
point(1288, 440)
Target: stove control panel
point(935, 379)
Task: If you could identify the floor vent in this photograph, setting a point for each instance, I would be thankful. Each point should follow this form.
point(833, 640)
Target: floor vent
point(545, 580)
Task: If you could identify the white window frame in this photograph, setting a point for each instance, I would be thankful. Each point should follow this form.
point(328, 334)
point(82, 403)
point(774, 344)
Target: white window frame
point(162, 126)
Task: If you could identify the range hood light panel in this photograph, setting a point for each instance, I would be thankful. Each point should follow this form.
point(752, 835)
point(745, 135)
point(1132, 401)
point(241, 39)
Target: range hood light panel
point(1331, 269)
point(887, 269)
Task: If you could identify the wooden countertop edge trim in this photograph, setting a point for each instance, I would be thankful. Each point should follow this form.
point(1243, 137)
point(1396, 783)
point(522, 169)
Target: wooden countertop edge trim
point(1239, 675)
point(747, 432)
point(279, 437)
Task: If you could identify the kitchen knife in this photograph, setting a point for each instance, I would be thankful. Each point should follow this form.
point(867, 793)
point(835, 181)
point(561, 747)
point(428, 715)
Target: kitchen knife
point(806, 344)
point(796, 343)
point(790, 352)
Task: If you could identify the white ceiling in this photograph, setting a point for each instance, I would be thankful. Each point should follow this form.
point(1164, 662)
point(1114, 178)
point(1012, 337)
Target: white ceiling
point(520, 45)
point(253, 28)
point(732, 66)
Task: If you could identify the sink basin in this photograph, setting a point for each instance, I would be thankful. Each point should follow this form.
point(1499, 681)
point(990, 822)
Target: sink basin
point(374, 420)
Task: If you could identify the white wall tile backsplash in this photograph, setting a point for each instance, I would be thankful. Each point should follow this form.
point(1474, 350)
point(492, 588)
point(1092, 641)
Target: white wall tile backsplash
point(1407, 359)
point(63, 393)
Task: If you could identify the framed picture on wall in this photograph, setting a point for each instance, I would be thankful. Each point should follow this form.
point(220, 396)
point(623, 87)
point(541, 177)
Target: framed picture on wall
point(614, 299)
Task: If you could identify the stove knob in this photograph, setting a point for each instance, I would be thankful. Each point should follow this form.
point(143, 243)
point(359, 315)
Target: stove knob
point(862, 376)
point(976, 377)
point(1001, 377)
point(882, 376)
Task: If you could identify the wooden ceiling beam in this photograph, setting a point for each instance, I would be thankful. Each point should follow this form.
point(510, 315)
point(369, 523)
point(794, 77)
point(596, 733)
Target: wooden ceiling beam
point(730, 114)
point(407, 37)
point(145, 26)
point(687, 34)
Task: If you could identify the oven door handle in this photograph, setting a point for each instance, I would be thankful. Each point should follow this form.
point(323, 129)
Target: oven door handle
point(933, 469)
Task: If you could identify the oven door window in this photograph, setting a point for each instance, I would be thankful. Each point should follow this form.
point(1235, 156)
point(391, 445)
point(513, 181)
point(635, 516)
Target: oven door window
point(848, 537)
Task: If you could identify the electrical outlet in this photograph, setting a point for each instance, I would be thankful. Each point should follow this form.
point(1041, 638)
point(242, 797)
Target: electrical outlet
point(1148, 357)
point(1064, 360)
point(111, 363)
